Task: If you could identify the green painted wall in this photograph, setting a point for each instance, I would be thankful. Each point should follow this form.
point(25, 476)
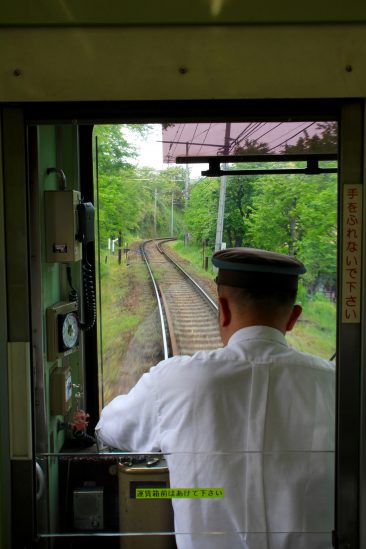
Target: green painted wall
point(57, 147)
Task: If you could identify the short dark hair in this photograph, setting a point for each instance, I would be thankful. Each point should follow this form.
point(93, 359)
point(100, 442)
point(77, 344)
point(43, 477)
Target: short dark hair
point(268, 298)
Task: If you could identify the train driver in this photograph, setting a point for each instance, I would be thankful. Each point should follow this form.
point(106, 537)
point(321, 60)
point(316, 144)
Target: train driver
point(254, 418)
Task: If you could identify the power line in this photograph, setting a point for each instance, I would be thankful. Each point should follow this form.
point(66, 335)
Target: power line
point(175, 139)
point(268, 131)
point(255, 129)
point(195, 132)
point(180, 136)
point(249, 132)
point(211, 124)
point(176, 133)
point(289, 131)
point(286, 140)
point(240, 135)
point(204, 138)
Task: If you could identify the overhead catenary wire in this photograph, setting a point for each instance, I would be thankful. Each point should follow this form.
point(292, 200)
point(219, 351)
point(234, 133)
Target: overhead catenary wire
point(195, 132)
point(291, 137)
point(253, 130)
point(177, 138)
point(211, 126)
point(289, 131)
point(174, 138)
point(181, 133)
point(240, 137)
point(249, 132)
point(268, 131)
point(204, 139)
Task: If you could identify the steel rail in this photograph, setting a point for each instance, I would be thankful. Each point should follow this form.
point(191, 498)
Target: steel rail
point(160, 307)
point(180, 268)
point(168, 325)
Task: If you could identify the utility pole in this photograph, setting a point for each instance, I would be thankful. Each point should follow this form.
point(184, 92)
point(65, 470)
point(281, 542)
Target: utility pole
point(186, 191)
point(186, 188)
point(155, 207)
point(221, 211)
point(172, 217)
point(119, 247)
point(223, 181)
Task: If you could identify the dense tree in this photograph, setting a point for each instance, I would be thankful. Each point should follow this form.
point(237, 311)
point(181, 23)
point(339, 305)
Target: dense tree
point(238, 208)
point(136, 201)
point(158, 190)
point(201, 212)
point(324, 140)
point(114, 151)
point(274, 223)
point(296, 215)
point(121, 205)
point(318, 245)
point(251, 146)
point(293, 214)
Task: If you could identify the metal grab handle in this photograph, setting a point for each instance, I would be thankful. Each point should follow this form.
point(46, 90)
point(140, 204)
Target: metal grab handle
point(41, 481)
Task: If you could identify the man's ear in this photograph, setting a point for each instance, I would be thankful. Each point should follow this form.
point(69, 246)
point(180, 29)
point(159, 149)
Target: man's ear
point(224, 312)
point(295, 313)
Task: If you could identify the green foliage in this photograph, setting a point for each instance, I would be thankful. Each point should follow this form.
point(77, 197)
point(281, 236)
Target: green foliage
point(296, 215)
point(120, 205)
point(293, 214)
point(201, 212)
point(114, 151)
point(324, 141)
point(302, 294)
point(135, 201)
point(195, 254)
point(238, 208)
point(274, 222)
point(158, 190)
point(323, 311)
point(315, 332)
point(251, 146)
point(125, 308)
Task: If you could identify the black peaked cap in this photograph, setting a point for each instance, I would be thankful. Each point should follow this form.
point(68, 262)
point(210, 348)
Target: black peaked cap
point(243, 267)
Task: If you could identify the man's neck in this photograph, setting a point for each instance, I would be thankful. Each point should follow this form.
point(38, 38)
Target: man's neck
point(234, 327)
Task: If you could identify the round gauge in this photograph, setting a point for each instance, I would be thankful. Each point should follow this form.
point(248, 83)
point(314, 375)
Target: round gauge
point(70, 330)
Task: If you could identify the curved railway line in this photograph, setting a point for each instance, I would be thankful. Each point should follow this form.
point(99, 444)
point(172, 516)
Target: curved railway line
point(188, 314)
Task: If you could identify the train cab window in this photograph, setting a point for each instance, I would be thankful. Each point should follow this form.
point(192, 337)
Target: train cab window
point(168, 197)
point(197, 448)
point(280, 194)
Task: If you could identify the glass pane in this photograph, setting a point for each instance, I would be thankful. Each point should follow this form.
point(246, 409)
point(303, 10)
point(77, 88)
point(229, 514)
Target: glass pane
point(230, 456)
point(246, 460)
point(130, 496)
point(248, 138)
point(141, 198)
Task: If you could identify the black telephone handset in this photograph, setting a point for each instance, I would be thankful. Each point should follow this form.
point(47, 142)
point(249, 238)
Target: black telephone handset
point(86, 222)
point(85, 212)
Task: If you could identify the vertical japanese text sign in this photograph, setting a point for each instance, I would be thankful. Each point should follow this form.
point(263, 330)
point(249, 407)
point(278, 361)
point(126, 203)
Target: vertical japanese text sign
point(352, 249)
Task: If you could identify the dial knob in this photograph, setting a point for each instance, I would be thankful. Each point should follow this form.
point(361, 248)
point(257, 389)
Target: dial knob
point(69, 330)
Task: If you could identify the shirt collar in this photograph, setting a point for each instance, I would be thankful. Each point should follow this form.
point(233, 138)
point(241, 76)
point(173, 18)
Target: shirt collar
point(258, 332)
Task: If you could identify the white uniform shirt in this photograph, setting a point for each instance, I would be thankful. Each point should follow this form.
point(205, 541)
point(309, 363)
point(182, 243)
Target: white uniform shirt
point(255, 418)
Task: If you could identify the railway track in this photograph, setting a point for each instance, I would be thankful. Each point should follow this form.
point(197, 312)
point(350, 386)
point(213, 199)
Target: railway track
point(189, 314)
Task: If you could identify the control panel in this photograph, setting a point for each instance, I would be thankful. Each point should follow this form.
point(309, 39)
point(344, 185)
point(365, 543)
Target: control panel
point(61, 218)
point(62, 329)
point(60, 391)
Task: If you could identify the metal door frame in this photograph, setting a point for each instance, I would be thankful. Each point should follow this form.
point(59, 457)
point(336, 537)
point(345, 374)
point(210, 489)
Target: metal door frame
point(350, 358)
point(351, 385)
